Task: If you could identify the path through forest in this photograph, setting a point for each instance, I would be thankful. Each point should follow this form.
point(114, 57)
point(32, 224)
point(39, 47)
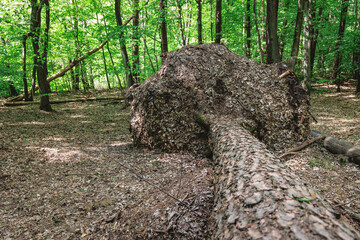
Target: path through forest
point(62, 174)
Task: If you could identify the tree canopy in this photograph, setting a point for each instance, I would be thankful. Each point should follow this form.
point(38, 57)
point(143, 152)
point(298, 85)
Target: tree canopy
point(137, 27)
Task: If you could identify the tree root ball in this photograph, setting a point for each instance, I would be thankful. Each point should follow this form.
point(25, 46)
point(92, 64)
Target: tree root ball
point(172, 110)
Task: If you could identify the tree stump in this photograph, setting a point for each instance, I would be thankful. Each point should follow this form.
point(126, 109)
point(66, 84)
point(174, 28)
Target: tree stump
point(207, 100)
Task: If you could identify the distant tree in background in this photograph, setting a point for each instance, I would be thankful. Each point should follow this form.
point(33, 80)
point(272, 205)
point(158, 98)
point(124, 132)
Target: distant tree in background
point(139, 32)
point(338, 55)
point(272, 39)
point(218, 21)
point(40, 58)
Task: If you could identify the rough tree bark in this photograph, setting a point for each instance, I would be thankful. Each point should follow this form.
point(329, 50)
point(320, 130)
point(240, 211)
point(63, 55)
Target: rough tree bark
point(180, 22)
point(306, 83)
point(40, 58)
point(124, 54)
point(26, 91)
point(297, 33)
point(164, 42)
point(314, 39)
point(210, 78)
point(199, 22)
point(207, 100)
point(258, 197)
point(272, 39)
point(337, 58)
point(218, 21)
point(110, 54)
point(284, 5)
point(258, 33)
point(136, 41)
point(248, 29)
point(338, 146)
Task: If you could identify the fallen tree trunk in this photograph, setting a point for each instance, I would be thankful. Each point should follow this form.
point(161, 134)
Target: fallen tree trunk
point(62, 72)
point(13, 104)
point(209, 101)
point(257, 197)
point(337, 146)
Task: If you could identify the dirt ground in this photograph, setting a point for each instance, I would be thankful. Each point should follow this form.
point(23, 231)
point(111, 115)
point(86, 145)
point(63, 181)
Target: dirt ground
point(74, 174)
point(338, 115)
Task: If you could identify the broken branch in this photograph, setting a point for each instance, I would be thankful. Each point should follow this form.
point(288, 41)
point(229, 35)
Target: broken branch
point(62, 72)
point(302, 146)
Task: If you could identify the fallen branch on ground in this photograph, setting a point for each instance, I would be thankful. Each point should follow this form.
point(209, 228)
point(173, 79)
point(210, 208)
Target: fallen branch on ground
point(62, 72)
point(337, 146)
point(13, 104)
point(302, 146)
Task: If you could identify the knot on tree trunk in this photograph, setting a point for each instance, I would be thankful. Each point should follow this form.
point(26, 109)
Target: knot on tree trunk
point(169, 111)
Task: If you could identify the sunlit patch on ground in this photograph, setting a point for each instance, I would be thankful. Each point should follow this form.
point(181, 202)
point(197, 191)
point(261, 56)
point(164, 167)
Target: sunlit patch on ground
point(74, 173)
point(338, 115)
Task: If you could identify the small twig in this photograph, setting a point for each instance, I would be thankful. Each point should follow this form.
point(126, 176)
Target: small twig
point(312, 116)
point(342, 204)
point(302, 146)
point(288, 153)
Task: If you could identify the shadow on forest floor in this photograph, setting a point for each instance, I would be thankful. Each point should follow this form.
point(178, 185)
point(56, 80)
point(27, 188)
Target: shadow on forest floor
point(61, 173)
point(62, 177)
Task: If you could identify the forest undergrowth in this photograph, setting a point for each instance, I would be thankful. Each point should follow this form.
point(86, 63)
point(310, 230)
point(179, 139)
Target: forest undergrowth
point(74, 173)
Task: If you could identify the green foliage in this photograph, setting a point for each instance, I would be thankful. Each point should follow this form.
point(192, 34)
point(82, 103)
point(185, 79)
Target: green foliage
point(68, 41)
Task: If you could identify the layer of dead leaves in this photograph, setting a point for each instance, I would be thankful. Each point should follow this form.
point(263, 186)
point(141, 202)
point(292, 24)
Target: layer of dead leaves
point(338, 181)
point(73, 174)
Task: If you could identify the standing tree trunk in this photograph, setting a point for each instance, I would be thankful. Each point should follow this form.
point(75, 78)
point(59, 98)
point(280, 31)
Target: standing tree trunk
point(258, 33)
point(285, 25)
point(211, 21)
point(199, 22)
point(136, 40)
point(164, 42)
point(272, 39)
point(307, 46)
point(357, 68)
point(356, 54)
point(84, 79)
point(110, 54)
point(40, 60)
point(218, 21)
point(76, 79)
point(297, 33)
point(26, 91)
point(314, 39)
point(104, 58)
point(248, 29)
point(124, 54)
point(106, 70)
point(337, 58)
point(44, 55)
point(180, 22)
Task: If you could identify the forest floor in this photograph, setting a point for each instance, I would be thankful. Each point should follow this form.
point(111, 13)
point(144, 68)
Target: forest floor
point(74, 174)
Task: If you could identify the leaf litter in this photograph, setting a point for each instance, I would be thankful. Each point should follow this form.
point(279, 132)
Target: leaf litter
point(336, 179)
point(62, 178)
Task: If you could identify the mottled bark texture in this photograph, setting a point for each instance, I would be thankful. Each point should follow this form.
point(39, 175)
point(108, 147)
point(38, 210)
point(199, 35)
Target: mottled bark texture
point(168, 109)
point(208, 100)
point(258, 197)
